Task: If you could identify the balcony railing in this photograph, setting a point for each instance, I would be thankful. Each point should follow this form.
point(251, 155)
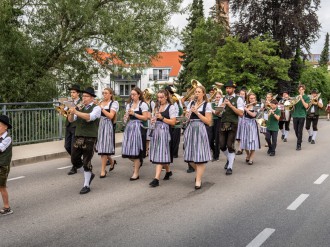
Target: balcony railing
point(153, 77)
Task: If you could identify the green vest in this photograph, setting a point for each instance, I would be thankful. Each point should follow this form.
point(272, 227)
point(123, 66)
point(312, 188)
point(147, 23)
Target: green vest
point(84, 128)
point(5, 157)
point(229, 116)
point(299, 111)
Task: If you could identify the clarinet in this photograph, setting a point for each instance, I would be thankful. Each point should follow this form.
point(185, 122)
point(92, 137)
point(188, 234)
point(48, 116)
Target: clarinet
point(153, 125)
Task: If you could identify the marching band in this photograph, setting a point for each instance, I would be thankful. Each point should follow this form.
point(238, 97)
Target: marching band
point(208, 125)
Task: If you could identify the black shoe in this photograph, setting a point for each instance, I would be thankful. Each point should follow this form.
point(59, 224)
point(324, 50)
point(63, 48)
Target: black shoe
point(168, 175)
point(198, 187)
point(312, 142)
point(91, 179)
point(239, 152)
point(190, 169)
point(133, 179)
point(113, 167)
point(268, 151)
point(108, 162)
point(309, 138)
point(250, 162)
point(229, 171)
point(105, 174)
point(298, 147)
point(154, 183)
point(272, 154)
point(226, 165)
point(285, 140)
point(282, 137)
point(72, 171)
point(85, 190)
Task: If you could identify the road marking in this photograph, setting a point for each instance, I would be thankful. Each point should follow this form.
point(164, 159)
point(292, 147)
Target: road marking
point(261, 238)
point(116, 156)
point(15, 178)
point(64, 167)
point(321, 179)
point(298, 202)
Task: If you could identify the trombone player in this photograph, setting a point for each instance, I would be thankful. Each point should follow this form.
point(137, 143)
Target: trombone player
point(313, 115)
point(299, 114)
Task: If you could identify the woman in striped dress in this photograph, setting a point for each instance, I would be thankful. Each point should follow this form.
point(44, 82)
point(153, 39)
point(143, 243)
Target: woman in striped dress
point(197, 148)
point(242, 94)
point(106, 135)
point(134, 139)
point(250, 140)
point(160, 147)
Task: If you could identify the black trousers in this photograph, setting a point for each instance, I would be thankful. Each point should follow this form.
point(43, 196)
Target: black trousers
point(215, 138)
point(285, 124)
point(176, 136)
point(312, 120)
point(69, 138)
point(271, 139)
point(82, 152)
point(227, 138)
point(298, 125)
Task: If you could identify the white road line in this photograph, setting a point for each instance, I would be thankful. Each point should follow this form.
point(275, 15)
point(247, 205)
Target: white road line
point(298, 202)
point(15, 178)
point(116, 156)
point(261, 238)
point(321, 179)
point(64, 167)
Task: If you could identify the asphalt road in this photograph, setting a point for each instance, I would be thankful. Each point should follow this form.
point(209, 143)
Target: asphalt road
point(274, 202)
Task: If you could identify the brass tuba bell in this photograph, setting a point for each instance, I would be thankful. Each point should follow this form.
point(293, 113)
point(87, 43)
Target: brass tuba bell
point(194, 85)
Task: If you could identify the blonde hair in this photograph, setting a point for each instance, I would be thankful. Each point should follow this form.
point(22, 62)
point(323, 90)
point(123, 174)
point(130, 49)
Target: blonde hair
point(204, 92)
point(110, 90)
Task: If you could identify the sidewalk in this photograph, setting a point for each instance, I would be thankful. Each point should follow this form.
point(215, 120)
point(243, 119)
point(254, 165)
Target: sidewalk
point(32, 153)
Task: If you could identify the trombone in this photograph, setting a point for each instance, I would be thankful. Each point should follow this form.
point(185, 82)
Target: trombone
point(194, 85)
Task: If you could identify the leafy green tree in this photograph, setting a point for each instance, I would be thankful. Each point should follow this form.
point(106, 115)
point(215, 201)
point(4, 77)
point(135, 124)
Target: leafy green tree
point(324, 59)
point(207, 37)
point(58, 32)
point(254, 64)
point(196, 14)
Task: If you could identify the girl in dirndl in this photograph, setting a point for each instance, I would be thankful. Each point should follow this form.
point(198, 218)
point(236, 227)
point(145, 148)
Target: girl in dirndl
point(249, 137)
point(327, 109)
point(197, 147)
point(242, 94)
point(160, 141)
point(106, 134)
point(134, 139)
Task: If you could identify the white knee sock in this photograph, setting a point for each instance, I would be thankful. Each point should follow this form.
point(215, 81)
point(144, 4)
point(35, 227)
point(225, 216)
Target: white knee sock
point(310, 132)
point(226, 153)
point(283, 131)
point(87, 176)
point(231, 157)
point(286, 134)
point(314, 135)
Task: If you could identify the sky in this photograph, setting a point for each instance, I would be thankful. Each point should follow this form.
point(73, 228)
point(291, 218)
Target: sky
point(180, 21)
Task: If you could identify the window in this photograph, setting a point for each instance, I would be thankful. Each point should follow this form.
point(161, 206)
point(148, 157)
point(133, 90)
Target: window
point(159, 75)
point(125, 89)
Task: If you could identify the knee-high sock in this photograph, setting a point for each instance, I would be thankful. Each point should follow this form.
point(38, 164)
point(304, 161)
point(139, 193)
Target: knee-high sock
point(286, 134)
point(231, 157)
point(310, 132)
point(226, 153)
point(314, 135)
point(87, 176)
point(283, 131)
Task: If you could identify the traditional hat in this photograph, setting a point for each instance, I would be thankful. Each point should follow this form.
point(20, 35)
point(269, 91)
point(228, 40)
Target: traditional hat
point(314, 90)
point(4, 119)
point(75, 87)
point(169, 89)
point(89, 91)
point(230, 83)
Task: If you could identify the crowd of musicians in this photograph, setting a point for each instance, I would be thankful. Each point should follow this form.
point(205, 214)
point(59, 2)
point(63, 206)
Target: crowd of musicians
point(156, 122)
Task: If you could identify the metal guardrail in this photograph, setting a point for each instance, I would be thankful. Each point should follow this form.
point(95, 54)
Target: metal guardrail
point(35, 122)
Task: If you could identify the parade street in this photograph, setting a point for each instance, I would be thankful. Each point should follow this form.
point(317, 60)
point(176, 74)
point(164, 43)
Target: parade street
point(278, 201)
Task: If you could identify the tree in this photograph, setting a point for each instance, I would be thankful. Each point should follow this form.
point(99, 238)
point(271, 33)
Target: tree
point(57, 33)
point(293, 24)
point(196, 14)
point(207, 37)
point(253, 64)
point(324, 59)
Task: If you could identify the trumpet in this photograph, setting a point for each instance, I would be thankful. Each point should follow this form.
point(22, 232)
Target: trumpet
point(313, 100)
point(216, 90)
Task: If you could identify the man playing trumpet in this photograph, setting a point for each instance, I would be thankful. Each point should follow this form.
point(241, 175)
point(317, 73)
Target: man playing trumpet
point(313, 115)
point(299, 114)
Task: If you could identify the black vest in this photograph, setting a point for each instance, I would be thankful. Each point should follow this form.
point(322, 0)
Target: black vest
point(5, 157)
point(166, 113)
point(194, 115)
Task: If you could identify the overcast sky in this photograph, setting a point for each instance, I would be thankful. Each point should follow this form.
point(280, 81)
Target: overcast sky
point(323, 13)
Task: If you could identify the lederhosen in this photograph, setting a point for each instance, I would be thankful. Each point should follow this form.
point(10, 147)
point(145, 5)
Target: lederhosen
point(282, 123)
point(312, 118)
point(160, 142)
point(134, 139)
point(196, 140)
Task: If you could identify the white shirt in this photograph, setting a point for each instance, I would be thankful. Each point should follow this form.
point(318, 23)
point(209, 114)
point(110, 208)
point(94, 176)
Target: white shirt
point(207, 109)
point(144, 107)
point(114, 106)
point(5, 142)
point(96, 113)
point(313, 106)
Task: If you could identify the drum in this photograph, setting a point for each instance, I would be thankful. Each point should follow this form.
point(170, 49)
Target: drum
point(263, 129)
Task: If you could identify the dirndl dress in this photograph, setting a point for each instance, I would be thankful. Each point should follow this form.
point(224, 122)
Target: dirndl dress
point(249, 134)
point(160, 148)
point(196, 140)
point(133, 140)
point(239, 128)
point(105, 138)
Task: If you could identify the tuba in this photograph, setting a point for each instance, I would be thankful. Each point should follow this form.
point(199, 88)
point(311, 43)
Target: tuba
point(194, 84)
point(147, 93)
point(289, 104)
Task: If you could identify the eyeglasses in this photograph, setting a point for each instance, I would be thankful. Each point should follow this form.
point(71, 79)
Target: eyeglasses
point(86, 96)
point(134, 94)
